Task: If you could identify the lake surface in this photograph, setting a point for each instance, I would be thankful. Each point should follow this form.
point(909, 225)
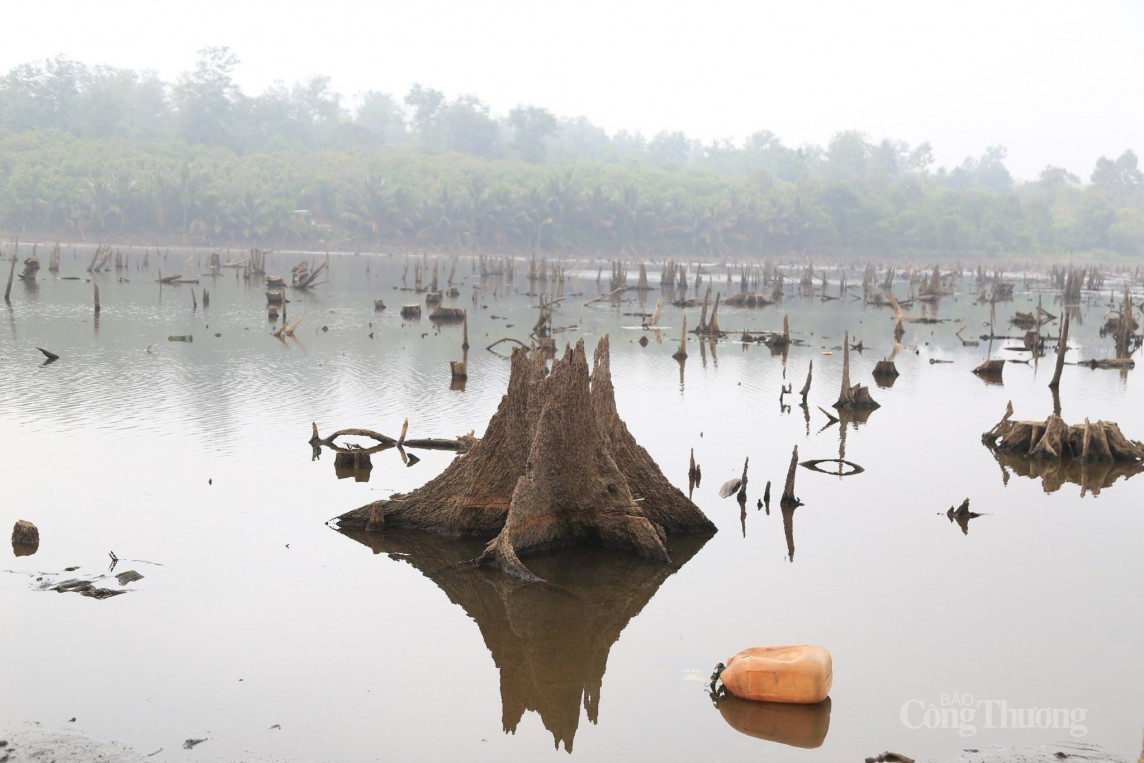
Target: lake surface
point(259, 628)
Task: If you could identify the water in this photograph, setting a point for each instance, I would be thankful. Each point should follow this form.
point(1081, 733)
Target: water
point(190, 463)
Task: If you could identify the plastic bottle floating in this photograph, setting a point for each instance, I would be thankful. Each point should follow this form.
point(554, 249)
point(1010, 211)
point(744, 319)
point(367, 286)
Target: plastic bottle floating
point(794, 674)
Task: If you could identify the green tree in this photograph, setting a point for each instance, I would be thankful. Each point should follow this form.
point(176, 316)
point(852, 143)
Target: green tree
point(426, 104)
point(1120, 182)
point(206, 98)
point(531, 128)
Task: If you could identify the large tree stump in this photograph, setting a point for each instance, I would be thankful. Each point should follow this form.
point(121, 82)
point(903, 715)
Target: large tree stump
point(1100, 441)
point(571, 490)
point(556, 467)
point(664, 503)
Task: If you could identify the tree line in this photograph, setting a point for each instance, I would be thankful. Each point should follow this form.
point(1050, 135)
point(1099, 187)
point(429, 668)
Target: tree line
point(97, 152)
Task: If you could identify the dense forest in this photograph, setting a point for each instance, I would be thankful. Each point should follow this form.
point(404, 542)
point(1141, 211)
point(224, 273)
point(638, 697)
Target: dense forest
point(97, 153)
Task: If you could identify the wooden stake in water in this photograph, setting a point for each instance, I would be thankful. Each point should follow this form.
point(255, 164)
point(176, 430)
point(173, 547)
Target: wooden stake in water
point(11, 273)
point(1061, 349)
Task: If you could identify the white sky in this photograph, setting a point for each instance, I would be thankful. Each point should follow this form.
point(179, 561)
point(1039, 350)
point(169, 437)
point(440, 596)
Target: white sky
point(1055, 82)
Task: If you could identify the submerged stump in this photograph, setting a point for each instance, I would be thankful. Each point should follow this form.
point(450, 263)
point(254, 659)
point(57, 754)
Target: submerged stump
point(855, 397)
point(556, 467)
point(1054, 439)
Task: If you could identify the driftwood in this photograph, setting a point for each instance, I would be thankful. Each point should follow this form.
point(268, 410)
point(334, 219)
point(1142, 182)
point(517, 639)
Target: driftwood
point(506, 339)
point(51, 356)
point(461, 443)
point(459, 369)
point(302, 278)
point(411, 311)
point(806, 387)
point(556, 467)
point(832, 418)
point(288, 329)
point(609, 295)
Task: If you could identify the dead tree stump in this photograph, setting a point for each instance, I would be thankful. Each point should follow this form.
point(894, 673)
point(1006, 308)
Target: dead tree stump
point(806, 387)
point(1100, 441)
point(1062, 348)
point(789, 500)
point(24, 533)
point(855, 397)
point(556, 467)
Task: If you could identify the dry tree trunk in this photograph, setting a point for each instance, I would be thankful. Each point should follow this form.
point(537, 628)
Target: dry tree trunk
point(11, 275)
point(682, 353)
point(1062, 347)
point(852, 397)
point(899, 316)
point(806, 387)
point(789, 499)
point(713, 326)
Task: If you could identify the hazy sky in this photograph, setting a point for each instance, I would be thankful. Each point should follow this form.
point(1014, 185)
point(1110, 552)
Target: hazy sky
point(1055, 82)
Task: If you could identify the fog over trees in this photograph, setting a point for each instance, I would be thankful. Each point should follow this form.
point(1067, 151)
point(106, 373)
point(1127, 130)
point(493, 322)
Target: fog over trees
point(97, 153)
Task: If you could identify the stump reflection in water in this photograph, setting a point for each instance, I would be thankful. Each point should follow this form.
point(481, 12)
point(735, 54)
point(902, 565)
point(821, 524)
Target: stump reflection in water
point(1092, 476)
point(550, 640)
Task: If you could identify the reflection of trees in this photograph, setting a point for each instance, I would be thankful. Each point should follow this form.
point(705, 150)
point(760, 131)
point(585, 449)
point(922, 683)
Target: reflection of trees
point(550, 641)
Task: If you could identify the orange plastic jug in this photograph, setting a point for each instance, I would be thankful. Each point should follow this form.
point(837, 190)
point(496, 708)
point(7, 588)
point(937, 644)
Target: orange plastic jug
point(797, 674)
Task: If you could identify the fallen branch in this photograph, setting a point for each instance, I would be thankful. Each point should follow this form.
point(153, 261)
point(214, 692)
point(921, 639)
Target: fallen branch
point(602, 297)
point(507, 339)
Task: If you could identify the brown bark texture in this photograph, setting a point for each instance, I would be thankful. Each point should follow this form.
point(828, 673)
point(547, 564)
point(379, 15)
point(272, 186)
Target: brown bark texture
point(556, 467)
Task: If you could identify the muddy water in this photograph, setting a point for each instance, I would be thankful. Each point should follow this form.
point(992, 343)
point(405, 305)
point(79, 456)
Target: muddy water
point(259, 628)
